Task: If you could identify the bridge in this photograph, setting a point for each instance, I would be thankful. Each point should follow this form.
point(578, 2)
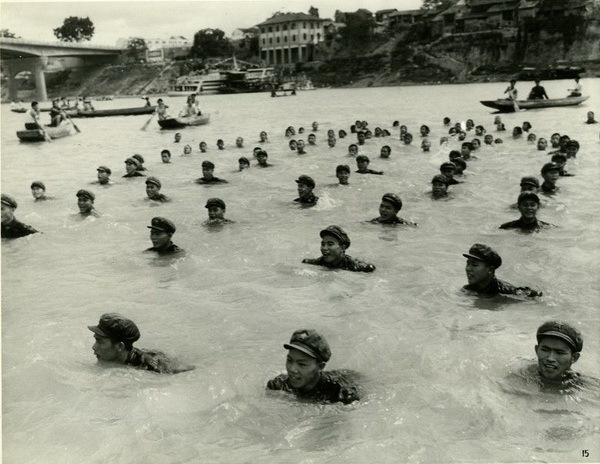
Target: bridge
point(18, 55)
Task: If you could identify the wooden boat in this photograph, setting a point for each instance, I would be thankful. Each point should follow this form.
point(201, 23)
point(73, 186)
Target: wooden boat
point(178, 123)
point(138, 110)
point(283, 93)
point(507, 106)
point(69, 111)
point(32, 134)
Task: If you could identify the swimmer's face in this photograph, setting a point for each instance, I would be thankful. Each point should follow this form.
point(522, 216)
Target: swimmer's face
point(528, 208)
point(207, 173)
point(304, 190)
point(360, 136)
point(403, 129)
point(263, 136)
point(38, 192)
point(239, 142)
point(439, 189)
point(130, 167)
point(103, 177)
point(331, 249)
point(341, 134)
point(315, 126)
point(531, 138)
point(542, 144)
point(187, 150)
point(448, 172)
point(516, 132)
point(303, 370)
point(590, 115)
point(159, 238)
point(262, 159)
point(425, 145)
point(555, 358)
point(300, 146)
point(8, 214)
point(343, 177)
point(165, 157)
point(424, 130)
point(571, 151)
point(476, 144)
point(470, 124)
point(331, 142)
point(243, 165)
point(465, 152)
point(385, 152)
point(293, 145)
point(220, 144)
point(312, 139)
point(152, 190)
point(551, 176)
point(555, 140)
point(106, 350)
point(362, 165)
point(353, 150)
point(177, 137)
point(85, 204)
point(215, 212)
point(462, 136)
point(408, 139)
point(202, 147)
point(477, 271)
point(386, 210)
point(488, 139)
point(479, 131)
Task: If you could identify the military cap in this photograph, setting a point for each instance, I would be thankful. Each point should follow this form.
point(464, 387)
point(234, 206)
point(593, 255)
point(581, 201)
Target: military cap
point(460, 162)
point(338, 233)
point(85, 194)
point(559, 157)
point(550, 167)
point(310, 342)
point(162, 224)
point(342, 168)
point(306, 180)
point(208, 164)
point(261, 153)
point(38, 184)
point(393, 199)
point(498, 140)
point(439, 178)
point(140, 158)
point(528, 196)
point(215, 202)
point(9, 201)
point(116, 327)
point(153, 180)
point(243, 159)
point(530, 180)
point(104, 169)
point(485, 254)
point(362, 158)
point(572, 143)
point(563, 331)
point(132, 161)
point(454, 154)
point(447, 165)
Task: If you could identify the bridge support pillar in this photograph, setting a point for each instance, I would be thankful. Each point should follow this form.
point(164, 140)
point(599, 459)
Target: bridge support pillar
point(13, 94)
point(40, 80)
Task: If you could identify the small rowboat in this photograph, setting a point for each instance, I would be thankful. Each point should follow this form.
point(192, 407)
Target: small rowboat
point(507, 106)
point(178, 123)
point(114, 112)
point(69, 111)
point(32, 134)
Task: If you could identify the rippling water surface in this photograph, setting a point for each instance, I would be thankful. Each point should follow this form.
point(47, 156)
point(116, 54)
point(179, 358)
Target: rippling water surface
point(434, 360)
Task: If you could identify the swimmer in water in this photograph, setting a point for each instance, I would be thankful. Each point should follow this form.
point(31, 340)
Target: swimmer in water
point(385, 152)
point(131, 165)
point(342, 172)
point(315, 126)
point(306, 197)
point(153, 187)
point(261, 158)
point(114, 338)
point(161, 234)
point(216, 212)
point(550, 173)
point(38, 191)
point(11, 226)
point(390, 206)
point(312, 139)
point(488, 139)
point(308, 353)
point(561, 161)
point(361, 137)
point(103, 174)
point(220, 144)
point(591, 118)
point(243, 163)
point(264, 138)
point(239, 142)
point(331, 142)
point(178, 137)
point(140, 158)
point(208, 168)
point(528, 204)
point(459, 166)
point(85, 202)
point(425, 145)
point(362, 163)
point(542, 144)
point(482, 262)
point(203, 147)
point(439, 187)
point(448, 169)
point(352, 149)
point(165, 156)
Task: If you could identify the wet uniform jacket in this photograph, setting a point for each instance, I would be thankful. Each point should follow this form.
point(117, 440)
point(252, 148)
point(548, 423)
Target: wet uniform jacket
point(309, 200)
point(395, 220)
point(16, 229)
point(332, 387)
point(171, 248)
point(161, 198)
point(134, 174)
point(370, 171)
point(537, 93)
point(347, 263)
point(155, 361)
point(564, 173)
point(497, 286)
point(212, 180)
point(521, 224)
point(549, 188)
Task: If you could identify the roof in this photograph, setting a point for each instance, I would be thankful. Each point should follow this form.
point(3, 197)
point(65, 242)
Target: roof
point(570, 5)
point(525, 4)
point(473, 3)
point(290, 17)
point(389, 10)
point(408, 13)
point(503, 7)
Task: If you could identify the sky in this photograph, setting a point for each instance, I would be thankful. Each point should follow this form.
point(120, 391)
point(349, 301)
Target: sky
point(157, 19)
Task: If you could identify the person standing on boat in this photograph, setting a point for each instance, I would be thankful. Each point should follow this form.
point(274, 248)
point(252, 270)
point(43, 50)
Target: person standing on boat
point(161, 109)
point(196, 103)
point(537, 92)
point(576, 92)
point(511, 90)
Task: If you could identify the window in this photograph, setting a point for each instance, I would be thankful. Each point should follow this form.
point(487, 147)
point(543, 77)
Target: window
point(318, 36)
point(293, 26)
point(263, 30)
point(271, 41)
point(312, 38)
point(276, 28)
point(285, 38)
point(312, 25)
point(285, 26)
point(277, 39)
point(270, 29)
point(304, 36)
point(304, 24)
point(293, 38)
point(264, 41)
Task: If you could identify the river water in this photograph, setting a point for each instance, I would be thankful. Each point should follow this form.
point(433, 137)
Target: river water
point(434, 360)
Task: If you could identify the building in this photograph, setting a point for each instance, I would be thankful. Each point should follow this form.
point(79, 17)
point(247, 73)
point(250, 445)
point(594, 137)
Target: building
point(245, 33)
point(288, 38)
point(405, 17)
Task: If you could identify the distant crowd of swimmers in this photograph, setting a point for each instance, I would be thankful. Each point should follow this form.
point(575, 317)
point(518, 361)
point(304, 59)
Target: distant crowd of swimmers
point(559, 344)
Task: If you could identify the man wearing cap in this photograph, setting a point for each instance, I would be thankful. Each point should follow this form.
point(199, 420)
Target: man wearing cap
point(261, 158)
point(439, 187)
point(103, 174)
point(85, 202)
point(528, 204)
point(447, 169)
point(153, 187)
point(131, 166)
point(334, 243)
point(306, 197)
point(141, 160)
point(482, 263)
point(114, 338)
point(550, 175)
point(243, 163)
point(208, 168)
point(161, 233)
point(11, 227)
point(362, 163)
point(388, 211)
point(216, 212)
point(38, 190)
point(560, 160)
point(308, 353)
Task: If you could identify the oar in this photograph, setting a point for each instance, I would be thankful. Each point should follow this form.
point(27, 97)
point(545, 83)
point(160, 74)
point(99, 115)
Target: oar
point(516, 106)
point(145, 126)
point(46, 136)
point(74, 125)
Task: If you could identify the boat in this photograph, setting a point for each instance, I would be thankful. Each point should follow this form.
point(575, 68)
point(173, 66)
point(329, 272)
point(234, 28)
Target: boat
point(70, 111)
point(286, 89)
point(205, 84)
point(33, 134)
point(135, 111)
point(178, 123)
point(507, 106)
point(306, 85)
point(248, 81)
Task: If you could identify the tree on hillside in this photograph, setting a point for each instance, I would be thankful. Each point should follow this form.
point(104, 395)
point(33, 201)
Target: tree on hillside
point(358, 30)
point(9, 35)
point(210, 43)
point(437, 5)
point(75, 29)
point(136, 48)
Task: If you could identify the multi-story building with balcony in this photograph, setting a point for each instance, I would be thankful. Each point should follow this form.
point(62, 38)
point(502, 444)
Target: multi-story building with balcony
point(288, 38)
